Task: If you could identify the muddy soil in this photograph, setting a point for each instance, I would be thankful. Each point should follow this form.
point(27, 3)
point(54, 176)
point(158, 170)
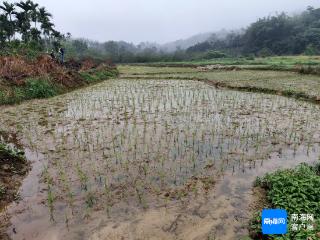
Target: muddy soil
point(152, 159)
point(13, 169)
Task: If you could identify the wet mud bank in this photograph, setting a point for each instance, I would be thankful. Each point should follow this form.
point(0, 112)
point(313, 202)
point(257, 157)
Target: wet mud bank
point(287, 93)
point(13, 169)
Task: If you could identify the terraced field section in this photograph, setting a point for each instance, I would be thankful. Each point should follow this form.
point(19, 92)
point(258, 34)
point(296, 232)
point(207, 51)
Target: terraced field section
point(157, 154)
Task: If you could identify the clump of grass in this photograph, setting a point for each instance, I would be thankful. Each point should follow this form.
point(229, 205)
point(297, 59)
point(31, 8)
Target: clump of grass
point(89, 78)
point(33, 88)
point(10, 152)
point(48, 84)
point(2, 96)
point(40, 88)
point(95, 75)
point(309, 69)
point(50, 195)
point(83, 178)
point(295, 190)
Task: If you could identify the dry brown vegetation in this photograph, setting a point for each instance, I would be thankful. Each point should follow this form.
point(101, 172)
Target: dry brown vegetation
point(14, 70)
point(22, 78)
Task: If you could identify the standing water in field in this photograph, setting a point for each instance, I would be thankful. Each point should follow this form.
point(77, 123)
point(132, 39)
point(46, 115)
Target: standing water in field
point(152, 159)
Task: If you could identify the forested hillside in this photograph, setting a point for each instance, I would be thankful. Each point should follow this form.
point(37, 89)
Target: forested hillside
point(281, 34)
point(27, 24)
point(273, 35)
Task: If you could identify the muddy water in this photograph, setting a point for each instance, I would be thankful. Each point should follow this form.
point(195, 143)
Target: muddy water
point(151, 159)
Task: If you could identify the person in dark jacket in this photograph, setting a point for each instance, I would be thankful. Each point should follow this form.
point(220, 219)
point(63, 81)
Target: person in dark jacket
point(61, 52)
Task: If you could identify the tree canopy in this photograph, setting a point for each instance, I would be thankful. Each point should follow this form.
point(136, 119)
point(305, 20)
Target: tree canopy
point(26, 22)
point(273, 35)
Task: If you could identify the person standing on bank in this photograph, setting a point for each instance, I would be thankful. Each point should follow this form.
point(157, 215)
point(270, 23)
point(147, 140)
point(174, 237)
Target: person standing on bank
point(61, 52)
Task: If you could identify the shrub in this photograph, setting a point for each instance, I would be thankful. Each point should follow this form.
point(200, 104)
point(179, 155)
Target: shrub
point(214, 54)
point(40, 88)
point(95, 75)
point(296, 190)
point(309, 70)
point(2, 96)
point(8, 152)
point(265, 52)
point(311, 50)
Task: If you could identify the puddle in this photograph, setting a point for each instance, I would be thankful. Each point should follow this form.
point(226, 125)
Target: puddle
point(152, 159)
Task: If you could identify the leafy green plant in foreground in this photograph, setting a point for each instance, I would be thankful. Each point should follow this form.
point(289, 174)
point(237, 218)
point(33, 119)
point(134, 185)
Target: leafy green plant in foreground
point(296, 190)
point(39, 88)
point(7, 151)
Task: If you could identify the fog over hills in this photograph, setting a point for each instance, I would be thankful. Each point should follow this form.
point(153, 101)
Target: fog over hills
point(183, 44)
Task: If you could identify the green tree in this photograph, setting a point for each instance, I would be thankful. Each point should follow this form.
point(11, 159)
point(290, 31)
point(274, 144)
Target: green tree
point(46, 24)
point(112, 50)
point(8, 9)
point(311, 50)
point(34, 13)
point(23, 20)
point(3, 34)
point(80, 46)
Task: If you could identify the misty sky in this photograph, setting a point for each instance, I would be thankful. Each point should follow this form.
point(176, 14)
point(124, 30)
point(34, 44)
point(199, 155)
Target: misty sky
point(161, 20)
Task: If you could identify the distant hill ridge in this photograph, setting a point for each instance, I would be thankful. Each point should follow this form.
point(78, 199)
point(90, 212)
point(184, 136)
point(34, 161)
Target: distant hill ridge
point(183, 44)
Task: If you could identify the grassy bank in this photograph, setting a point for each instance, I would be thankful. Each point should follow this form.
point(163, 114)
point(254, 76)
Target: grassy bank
point(297, 64)
point(22, 79)
point(285, 62)
point(96, 75)
point(297, 191)
point(44, 87)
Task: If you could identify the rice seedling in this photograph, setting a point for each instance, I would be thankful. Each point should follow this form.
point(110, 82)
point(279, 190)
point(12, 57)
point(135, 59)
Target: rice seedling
point(50, 196)
point(137, 140)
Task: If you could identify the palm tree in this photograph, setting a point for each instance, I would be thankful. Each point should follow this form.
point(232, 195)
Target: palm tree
point(28, 13)
point(34, 13)
point(44, 15)
point(3, 34)
point(8, 9)
point(46, 25)
point(23, 19)
point(35, 35)
point(25, 6)
point(23, 26)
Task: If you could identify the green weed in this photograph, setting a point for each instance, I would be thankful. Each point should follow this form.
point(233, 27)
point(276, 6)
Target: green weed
point(40, 88)
point(296, 190)
point(8, 151)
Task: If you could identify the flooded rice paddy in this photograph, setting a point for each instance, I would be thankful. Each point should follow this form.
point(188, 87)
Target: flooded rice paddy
point(152, 159)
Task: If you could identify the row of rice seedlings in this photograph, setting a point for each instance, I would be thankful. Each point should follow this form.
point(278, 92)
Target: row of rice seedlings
point(154, 136)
